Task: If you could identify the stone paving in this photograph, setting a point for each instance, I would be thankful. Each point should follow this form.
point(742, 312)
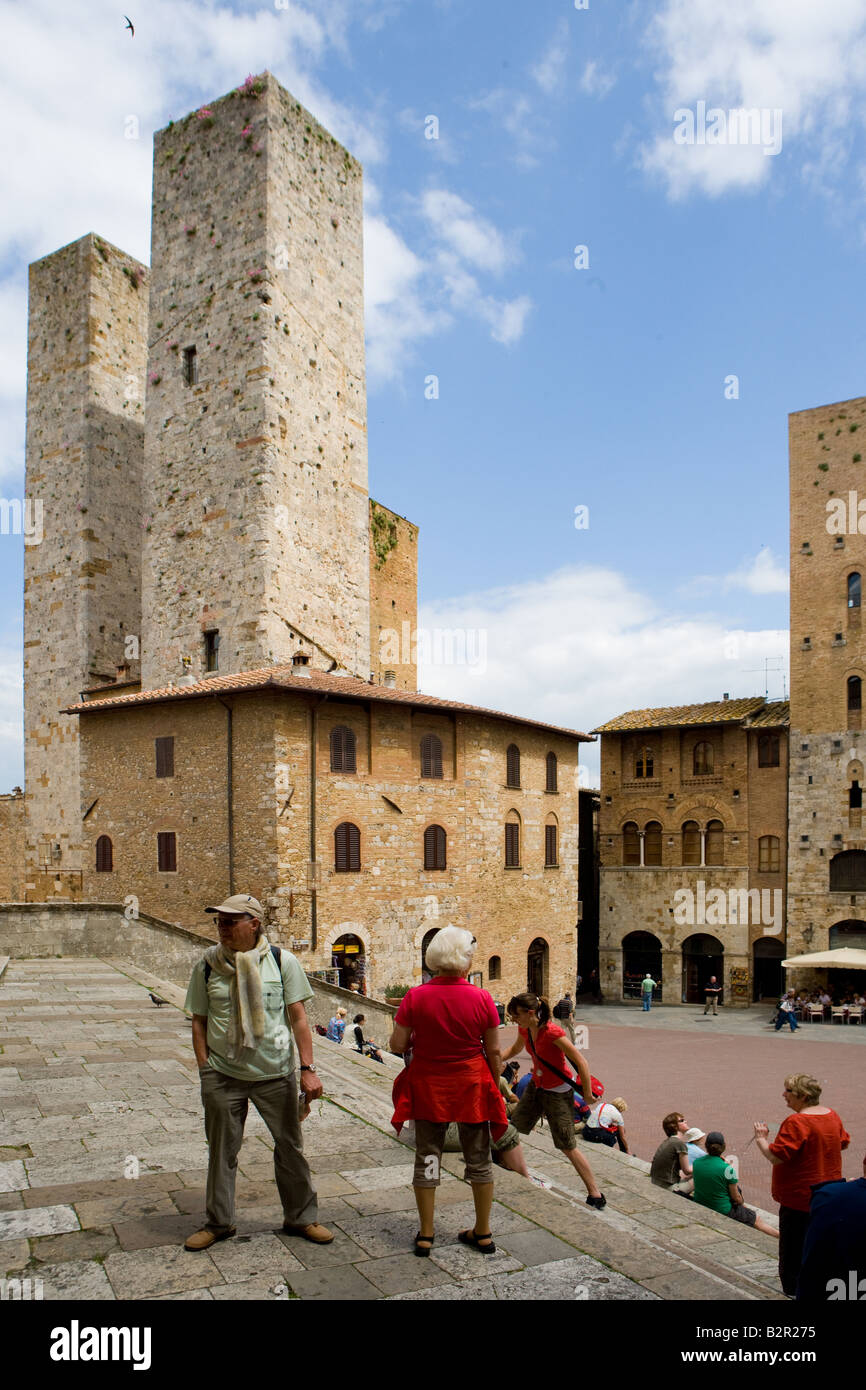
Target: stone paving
point(103, 1165)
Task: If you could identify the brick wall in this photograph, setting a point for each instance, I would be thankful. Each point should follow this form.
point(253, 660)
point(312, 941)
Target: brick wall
point(393, 597)
point(12, 847)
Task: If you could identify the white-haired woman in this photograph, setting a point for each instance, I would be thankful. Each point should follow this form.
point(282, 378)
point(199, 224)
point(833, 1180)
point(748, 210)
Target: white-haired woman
point(452, 1028)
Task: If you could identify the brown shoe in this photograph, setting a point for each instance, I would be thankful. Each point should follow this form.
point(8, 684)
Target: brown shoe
point(318, 1234)
point(202, 1239)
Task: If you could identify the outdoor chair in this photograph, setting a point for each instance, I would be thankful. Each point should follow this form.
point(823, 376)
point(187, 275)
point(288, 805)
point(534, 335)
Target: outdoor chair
point(855, 1013)
point(838, 1013)
point(816, 1012)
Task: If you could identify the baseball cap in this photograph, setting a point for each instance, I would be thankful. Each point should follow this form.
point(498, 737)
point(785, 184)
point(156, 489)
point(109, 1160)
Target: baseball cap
point(238, 904)
point(715, 1136)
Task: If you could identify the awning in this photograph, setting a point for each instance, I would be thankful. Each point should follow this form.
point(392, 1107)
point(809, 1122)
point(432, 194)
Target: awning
point(845, 956)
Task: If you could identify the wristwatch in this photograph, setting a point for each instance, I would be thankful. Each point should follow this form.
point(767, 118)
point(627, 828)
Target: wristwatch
point(305, 1067)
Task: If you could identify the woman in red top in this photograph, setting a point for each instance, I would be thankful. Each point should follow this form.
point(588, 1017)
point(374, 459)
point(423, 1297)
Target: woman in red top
point(452, 1028)
point(550, 1094)
point(806, 1151)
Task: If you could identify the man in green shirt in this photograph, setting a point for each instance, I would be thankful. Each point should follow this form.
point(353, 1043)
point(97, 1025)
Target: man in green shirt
point(717, 1186)
point(242, 998)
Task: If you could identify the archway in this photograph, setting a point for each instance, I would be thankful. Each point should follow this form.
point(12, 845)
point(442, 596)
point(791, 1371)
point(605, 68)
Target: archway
point(703, 956)
point(349, 959)
point(536, 966)
point(767, 973)
point(426, 973)
point(641, 955)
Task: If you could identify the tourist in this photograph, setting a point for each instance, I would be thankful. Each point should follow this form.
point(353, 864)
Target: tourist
point(694, 1146)
point(550, 1092)
point(606, 1125)
point(648, 984)
point(337, 1026)
point(670, 1165)
point(716, 1186)
point(241, 994)
point(452, 1028)
point(563, 1012)
point(834, 1252)
point(712, 990)
point(787, 1012)
point(365, 1046)
point(807, 1150)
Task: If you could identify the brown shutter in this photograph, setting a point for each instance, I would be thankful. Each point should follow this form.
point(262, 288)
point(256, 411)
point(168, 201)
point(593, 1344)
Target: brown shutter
point(166, 849)
point(551, 772)
point(104, 858)
point(512, 765)
point(512, 846)
point(336, 750)
point(431, 756)
point(342, 749)
point(435, 841)
point(347, 848)
point(354, 848)
point(550, 859)
point(165, 757)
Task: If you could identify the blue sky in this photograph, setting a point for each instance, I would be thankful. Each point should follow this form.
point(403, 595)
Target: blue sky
point(557, 387)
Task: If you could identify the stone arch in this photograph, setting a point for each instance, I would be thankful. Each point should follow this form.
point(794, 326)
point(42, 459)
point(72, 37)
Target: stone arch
point(538, 965)
point(362, 963)
point(703, 955)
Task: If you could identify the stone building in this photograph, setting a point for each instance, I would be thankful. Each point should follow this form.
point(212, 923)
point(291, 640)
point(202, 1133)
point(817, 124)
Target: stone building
point(827, 844)
point(692, 838)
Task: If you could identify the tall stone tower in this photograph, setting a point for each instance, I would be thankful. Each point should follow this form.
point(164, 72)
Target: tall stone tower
point(826, 862)
point(87, 338)
point(256, 539)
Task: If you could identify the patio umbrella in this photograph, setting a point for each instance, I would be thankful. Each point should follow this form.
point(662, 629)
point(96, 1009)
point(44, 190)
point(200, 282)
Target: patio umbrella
point(844, 956)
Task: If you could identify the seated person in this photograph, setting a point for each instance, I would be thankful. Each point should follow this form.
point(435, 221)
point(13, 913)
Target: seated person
point(362, 1044)
point(606, 1124)
point(716, 1186)
point(694, 1141)
point(834, 1251)
point(670, 1166)
point(337, 1026)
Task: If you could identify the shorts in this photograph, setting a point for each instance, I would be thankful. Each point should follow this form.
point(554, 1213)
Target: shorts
point(557, 1107)
point(430, 1142)
point(744, 1214)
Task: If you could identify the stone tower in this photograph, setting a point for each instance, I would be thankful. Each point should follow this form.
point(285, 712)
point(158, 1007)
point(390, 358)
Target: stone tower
point(87, 344)
point(826, 882)
point(256, 539)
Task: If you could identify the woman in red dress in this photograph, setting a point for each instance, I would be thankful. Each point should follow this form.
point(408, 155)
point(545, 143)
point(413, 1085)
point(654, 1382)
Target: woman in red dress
point(452, 1029)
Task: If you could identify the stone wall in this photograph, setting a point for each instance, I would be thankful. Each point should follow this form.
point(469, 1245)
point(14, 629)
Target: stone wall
point(393, 597)
point(12, 847)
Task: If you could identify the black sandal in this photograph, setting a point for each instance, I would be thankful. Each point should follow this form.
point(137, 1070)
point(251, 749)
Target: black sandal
point(471, 1238)
point(422, 1251)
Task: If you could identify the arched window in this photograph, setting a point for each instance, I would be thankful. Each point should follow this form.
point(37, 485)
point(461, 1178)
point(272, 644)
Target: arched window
point(768, 750)
point(512, 765)
point(630, 844)
point(768, 854)
point(855, 693)
point(854, 590)
point(342, 749)
point(494, 968)
point(643, 763)
point(551, 845)
point(431, 756)
point(691, 842)
point(551, 768)
point(435, 841)
point(715, 843)
point(512, 843)
point(347, 848)
point(652, 843)
point(702, 761)
point(848, 871)
point(104, 855)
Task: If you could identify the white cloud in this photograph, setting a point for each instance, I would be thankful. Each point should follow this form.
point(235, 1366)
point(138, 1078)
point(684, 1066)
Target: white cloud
point(549, 71)
point(472, 237)
point(763, 575)
point(581, 645)
point(398, 314)
point(805, 59)
point(595, 81)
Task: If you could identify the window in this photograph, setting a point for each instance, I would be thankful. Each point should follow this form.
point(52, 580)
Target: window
point(551, 767)
point(702, 762)
point(494, 968)
point(166, 851)
point(855, 796)
point(768, 750)
point(431, 756)
point(643, 765)
point(435, 841)
point(342, 749)
point(104, 856)
point(854, 590)
point(848, 872)
point(165, 756)
point(715, 843)
point(211, 651)
point(512, 846)
point(652, 844)
point(550, 847)
point(347, 848)
point(855, 695)
point(512, 765)
point(691, 842)
point(630, 844)
point(190, 366)
point(768, 854)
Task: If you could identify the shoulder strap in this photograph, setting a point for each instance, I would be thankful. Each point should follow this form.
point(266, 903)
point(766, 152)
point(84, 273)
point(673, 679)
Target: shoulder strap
point(550, 1067)
point(206, 971)
point(275, 952)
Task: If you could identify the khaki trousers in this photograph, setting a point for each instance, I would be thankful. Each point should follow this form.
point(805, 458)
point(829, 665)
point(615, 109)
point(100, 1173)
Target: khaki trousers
point(226, 1101)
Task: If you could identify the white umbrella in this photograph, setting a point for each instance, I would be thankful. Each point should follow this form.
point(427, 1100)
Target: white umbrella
point(848, 956)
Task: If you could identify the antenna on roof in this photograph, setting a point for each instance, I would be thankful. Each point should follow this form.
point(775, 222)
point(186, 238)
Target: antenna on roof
point(766, 669)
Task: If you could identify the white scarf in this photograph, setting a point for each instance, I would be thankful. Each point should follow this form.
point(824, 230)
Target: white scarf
point(243, 971)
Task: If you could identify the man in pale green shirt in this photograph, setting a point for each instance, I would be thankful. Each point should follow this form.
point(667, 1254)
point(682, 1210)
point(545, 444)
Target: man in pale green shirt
point(247, 1001)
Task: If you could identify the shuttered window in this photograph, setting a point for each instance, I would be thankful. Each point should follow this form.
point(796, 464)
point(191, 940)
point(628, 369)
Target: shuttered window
point(512, 766)
point(104, 856)
point(431, 756)
point(512, 846)
point(768, 750)
point(768, 854)
point(715, 842)
point(347, 848)
point(342, 749)
point(435, 841)
point(551, 773)
point(550, 858)
point(166, 851)
point(691, 842)
point(165, 757)
point(702, 761)
point(630, 844)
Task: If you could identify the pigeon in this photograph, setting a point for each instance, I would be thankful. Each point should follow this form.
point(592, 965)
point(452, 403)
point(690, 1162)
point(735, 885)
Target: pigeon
point(157, 1001)
point(131, 26)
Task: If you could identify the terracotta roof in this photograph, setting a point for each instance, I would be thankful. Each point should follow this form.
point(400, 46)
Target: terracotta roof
point(775, 715)
point(715, 712)
point(317, 683)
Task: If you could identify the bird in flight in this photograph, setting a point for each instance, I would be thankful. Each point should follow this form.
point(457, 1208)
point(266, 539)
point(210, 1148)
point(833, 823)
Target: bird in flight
point(129, 24)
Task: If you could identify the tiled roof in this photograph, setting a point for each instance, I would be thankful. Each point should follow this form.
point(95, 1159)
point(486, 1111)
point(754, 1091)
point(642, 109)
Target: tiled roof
point(317, 683)
point(775, 715)
point(715, 712)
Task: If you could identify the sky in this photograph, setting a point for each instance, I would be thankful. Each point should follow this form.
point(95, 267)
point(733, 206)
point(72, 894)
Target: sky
point(592, 298)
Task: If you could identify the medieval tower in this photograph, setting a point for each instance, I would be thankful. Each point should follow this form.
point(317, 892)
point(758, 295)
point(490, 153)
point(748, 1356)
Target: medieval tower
point(826, 880)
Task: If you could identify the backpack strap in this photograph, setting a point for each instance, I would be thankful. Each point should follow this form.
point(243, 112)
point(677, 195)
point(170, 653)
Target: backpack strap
point(275, 952)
